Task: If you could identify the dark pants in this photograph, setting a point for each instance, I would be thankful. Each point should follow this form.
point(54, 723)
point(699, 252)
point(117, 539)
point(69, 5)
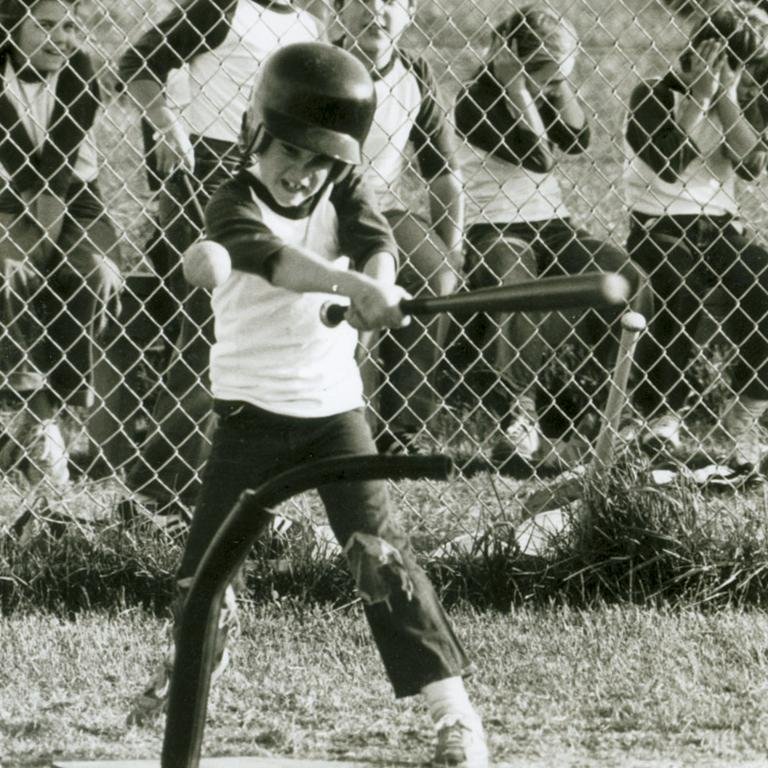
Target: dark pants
point(250, 446)
point(406, 396)
point(56, 319)
point(686, 258)
point(174, 451)
point(506, 255)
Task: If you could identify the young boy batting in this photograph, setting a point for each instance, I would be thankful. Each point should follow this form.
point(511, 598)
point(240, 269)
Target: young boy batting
point(517, 114)
point(287, 388)
point(223, 45)
point(690, 135)
point(408, 114)
point(58, 285)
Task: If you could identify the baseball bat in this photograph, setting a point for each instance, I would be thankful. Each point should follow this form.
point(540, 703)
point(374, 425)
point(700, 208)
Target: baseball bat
point(193, 197)
point(593, 289)
point(632, 324)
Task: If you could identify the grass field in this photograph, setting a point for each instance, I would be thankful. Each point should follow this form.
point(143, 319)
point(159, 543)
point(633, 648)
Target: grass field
point(606, 686)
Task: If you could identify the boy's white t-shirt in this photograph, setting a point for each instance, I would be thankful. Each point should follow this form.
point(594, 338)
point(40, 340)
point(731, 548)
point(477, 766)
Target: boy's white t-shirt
point(221, 80)
point(271, 348)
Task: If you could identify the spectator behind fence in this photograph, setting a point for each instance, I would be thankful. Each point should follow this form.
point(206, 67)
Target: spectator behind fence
point(58, 283)
point(690, 135)
point(408, 112)
point(223, 45)
point(516, 114)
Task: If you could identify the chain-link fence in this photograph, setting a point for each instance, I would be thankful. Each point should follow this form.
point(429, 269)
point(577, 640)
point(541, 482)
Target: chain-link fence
point(510, 142)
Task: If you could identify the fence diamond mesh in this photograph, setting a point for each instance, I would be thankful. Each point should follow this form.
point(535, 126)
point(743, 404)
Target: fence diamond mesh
point(511, 142)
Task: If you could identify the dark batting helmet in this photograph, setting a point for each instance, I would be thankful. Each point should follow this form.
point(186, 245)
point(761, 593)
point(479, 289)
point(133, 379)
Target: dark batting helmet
point(315, 96)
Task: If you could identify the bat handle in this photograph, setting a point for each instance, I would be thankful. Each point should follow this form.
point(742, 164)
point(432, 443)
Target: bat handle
point(332, 314)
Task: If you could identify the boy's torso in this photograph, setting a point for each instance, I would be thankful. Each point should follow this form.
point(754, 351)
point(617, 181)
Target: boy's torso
point(271, 349)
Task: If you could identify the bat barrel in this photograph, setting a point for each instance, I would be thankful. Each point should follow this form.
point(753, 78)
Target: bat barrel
point(596, 290)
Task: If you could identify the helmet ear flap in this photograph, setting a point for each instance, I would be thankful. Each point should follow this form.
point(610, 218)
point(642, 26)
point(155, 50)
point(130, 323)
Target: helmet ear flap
point(254, 140)
point(340, 171)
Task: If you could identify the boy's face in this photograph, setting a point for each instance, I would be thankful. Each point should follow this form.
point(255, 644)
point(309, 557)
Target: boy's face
point(291, 174)
point(46, 36)
point(375, 26)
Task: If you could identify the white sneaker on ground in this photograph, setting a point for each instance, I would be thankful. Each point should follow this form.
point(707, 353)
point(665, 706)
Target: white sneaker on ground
point(521, 439)
point(662, 432)
point(460, 743)
point(742, 432)
point(37, 449)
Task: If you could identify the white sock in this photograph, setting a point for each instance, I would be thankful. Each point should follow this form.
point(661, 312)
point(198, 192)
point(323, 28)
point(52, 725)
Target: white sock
point(448, 697)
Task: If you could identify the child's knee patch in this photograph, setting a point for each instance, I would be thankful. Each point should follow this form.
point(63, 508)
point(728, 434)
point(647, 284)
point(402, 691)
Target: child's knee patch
point(378, 568)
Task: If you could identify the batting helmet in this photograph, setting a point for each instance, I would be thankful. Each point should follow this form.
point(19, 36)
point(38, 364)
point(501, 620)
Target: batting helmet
point(315, 96)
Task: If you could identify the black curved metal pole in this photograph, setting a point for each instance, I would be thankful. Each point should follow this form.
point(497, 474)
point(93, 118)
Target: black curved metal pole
point(191, 676)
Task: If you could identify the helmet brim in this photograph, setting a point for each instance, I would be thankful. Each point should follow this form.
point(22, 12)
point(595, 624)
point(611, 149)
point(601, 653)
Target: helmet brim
point(323, 141)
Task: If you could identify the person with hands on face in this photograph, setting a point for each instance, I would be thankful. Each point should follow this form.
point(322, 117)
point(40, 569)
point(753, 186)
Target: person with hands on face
point(59, 285)
point(287, 389)
point(689, 135)
point(517, 115)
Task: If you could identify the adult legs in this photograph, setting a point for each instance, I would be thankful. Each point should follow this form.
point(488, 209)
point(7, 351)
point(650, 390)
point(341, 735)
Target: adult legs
point(743, 268)
point(175, 450)
point(568, 251)
point(679, 282)
point(409, 355)
point(513, 339)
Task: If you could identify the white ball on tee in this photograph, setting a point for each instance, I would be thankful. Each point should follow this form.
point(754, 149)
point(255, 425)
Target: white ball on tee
point(206, 264)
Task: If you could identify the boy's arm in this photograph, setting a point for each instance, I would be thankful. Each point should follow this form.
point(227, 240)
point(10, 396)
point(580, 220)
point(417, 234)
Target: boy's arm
point(484, 117)
point(182, 34)
point(742, 141)
point(435, 155)
point(363, 230)
point(234, 223)
point(661, 141)
point(564, 117)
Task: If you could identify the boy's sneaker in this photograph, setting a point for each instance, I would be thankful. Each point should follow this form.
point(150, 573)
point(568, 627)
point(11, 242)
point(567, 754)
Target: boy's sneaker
point(152, 701)
point(396, 443)
point(172, 517)
point(662, 434)
point(742, 432)
point(38, 451)
point(48, 461)
point(521, 440)
point(460, 743)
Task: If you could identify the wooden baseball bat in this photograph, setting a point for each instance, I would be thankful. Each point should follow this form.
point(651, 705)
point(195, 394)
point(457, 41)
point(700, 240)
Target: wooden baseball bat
point(593, 289)
point(632, 325)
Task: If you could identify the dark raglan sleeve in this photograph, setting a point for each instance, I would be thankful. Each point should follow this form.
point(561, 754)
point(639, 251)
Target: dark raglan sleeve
point(653, 133)
point(233, 220)
point(431, 136)
point(363, 229)
point(191, 28)
point(572, 141)
point(483, 118)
